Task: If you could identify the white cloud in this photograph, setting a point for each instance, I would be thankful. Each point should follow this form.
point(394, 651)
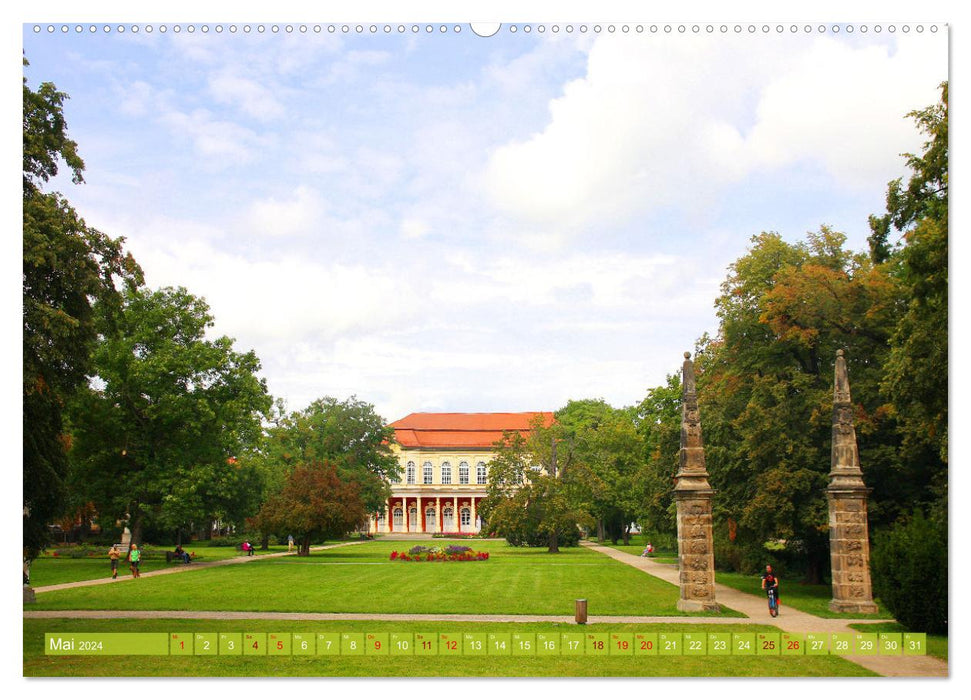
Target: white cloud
point(253, 98)
point(673, 120)
point(222, 143)
point(298, 215)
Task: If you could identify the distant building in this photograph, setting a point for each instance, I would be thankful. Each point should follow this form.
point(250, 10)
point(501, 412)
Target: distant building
point(444, 460)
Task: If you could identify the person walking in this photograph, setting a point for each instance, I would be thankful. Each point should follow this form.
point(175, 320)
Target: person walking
point(114, 554)
point(134, 558)
point(289, 543)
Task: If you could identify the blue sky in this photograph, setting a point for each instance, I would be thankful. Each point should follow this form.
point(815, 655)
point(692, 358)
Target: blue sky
point(444, 222)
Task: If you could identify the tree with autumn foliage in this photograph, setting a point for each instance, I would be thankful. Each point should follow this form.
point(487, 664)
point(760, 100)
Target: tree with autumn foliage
point(315, 504)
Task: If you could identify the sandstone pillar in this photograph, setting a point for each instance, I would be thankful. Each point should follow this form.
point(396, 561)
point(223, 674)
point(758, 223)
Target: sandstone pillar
point(849, 542)
point(692, 493)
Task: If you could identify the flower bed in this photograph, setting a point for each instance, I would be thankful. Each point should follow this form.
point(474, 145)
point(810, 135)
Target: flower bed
point(453, 552)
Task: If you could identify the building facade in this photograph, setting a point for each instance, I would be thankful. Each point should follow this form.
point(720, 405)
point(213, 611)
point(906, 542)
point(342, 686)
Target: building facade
point(444, 459)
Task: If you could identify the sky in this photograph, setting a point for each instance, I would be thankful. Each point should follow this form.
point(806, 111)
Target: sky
point(439, 221)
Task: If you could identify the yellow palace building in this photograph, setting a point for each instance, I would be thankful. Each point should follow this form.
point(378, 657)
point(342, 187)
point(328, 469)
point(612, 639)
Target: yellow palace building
point(444, 460)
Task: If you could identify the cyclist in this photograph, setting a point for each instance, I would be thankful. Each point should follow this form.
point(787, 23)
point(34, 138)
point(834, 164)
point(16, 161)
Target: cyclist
point(770, 584)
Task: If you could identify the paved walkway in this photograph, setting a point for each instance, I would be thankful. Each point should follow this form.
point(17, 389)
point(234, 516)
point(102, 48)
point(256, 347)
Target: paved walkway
point(180, 569)
point(789, 620)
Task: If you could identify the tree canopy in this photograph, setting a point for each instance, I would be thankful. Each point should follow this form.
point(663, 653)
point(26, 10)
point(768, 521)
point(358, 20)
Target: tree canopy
point(157, 433)
point(68, 267)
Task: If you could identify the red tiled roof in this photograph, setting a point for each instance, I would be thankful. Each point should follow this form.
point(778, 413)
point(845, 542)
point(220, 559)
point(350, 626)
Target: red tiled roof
point(461, 430)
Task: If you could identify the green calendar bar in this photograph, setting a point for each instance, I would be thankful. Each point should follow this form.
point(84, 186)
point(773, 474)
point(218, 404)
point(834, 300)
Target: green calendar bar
point(205, 643)
point(720, 643)
point(547, 644)
point(792, 644)
point(767, 644)
point(278, 644)
point(281, 644)
point(303, 644)
point(645, 644)
point(524, 644)
point(180, 644)
point(377, 644)
point(328, 644)
point(694, 644)
point(426, 644)
point(106, 644)
point(401, 644)
point(572, 644)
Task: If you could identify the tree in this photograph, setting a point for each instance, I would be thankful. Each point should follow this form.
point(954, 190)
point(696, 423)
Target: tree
point(67, 267)
point(658, 420)
point(529, 500)
point(765, 387)
point(916, 371)
point(314, 503)
point(348, 434)
point(606, 456)
point(157, 432)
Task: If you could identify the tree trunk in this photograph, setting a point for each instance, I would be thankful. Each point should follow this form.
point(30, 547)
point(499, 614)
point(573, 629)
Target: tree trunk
point(178, 537)
point(626, 535)
point(554, 547)
point(265, 542)
point(304, 550)
point(600, 531)
point(136, 530)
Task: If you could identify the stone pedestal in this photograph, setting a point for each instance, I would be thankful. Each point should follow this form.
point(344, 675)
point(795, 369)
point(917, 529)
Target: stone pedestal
point(849, 541)
point(696, 555)
point(692, 495)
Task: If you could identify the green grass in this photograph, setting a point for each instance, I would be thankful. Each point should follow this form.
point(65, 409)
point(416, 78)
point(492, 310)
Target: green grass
point(636, 546)
point(48, 570)
point(812, 599)
point(362, 579)
point(936, 643)
point(36, 663)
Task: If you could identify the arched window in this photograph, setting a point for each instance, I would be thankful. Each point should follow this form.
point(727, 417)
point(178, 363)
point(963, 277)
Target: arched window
point(463, 472)
point(380, 517)
point(448, 519)
point(430, 518)
point(480, 473)
point(446, 473)
point(413, 518)
point(466, 515)
point(426, 473)
point(398, 518)
point(410, 473)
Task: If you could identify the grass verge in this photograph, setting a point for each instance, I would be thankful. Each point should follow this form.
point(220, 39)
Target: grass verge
point(362, 579)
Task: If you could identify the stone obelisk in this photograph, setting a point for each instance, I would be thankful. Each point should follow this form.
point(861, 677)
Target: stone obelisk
point(849, 544)
point(692, 493)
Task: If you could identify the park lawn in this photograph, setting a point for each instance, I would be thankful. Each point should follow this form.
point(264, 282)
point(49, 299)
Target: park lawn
point(48, 570)
point(36, 663)
point(808, 598)
point(361, 578)
point(936, 643)
point(636, 546)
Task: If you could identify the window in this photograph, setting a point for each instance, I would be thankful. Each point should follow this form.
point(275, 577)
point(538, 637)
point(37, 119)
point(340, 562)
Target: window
point(448, 520)
point(398, 518)
point(413, 518)
point(466, 515)
point(480, 473)
point(380, 517)
point(426, 473)
point(410, 473)
point(430, 518)
point(446, 473)
point(463, 472)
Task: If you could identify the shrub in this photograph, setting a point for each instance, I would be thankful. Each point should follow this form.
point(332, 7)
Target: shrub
point(909, 570)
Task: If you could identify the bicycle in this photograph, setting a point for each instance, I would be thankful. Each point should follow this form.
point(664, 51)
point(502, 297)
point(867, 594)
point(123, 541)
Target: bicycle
point(773, 601)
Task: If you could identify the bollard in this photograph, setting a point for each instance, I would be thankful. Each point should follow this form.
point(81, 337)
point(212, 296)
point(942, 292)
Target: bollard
point(581, 615)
